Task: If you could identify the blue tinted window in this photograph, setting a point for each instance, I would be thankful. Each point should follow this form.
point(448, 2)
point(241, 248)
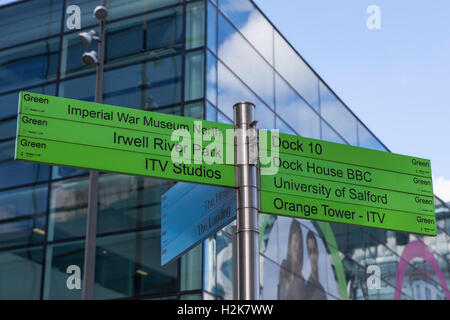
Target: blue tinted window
point(211, 78)
point(295, 71)
point(68, 209)
point(195, 25)
point(122, 8)
point(194, 110)
point(9, 105)
point(21, 273)
point(191, 273)
point(8, 129)
point(224, 266)
point(337, 115)
point(59, 257)
point(130, 265)
point(165, 31)
point(194, 76)
point(172, 110)
point(129, 202)
point(328, 134)
point(148, 85)
point(212, 28)
point(125, 202)
point(9, 102)
point(164, 82)
point(231, 90)
point(223, 118)
point(209, 266)
point(81, 89)
point(264, 116)
point(22, 215)
point(66, 172)
point(121, 87)
point(295, 111)
point(78, 88)
point(31, 20)
point(15, 173)
point(29, 64)
point(251, 23)
point(129, 32)
point(367, 140)
point(283, 127)
point(148, 36)
point(72, 52)
point(211, 112)
point(245, 62)
point(117, 8)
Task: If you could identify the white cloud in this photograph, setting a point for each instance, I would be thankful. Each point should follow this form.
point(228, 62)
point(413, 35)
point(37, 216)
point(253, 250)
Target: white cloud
point(246, 63)
point(237, 6)
point(441, 188)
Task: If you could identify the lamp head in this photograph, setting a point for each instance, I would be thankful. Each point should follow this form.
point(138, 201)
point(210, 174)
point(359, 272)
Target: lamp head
point(100, 12)
point(87, 37)
point(90, 58)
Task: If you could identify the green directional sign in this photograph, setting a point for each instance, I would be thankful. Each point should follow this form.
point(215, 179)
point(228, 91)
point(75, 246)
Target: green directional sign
point(328, 190)
point(81, 134)
point(119, 161)
point(340, 183)
point(346, 154)
point(353, 174)
point(334, 211)
point(120, 117)
point(39, 127)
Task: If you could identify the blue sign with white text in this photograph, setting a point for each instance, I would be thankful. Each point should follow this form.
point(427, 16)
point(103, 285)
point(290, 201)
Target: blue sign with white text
point(191, 213)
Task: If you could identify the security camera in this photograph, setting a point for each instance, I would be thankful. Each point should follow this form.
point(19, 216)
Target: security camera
point(100, 12)
point(87, 37)
point(90, 58)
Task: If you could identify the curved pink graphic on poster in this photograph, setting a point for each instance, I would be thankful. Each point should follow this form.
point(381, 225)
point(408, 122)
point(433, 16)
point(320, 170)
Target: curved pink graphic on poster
point(417, 249)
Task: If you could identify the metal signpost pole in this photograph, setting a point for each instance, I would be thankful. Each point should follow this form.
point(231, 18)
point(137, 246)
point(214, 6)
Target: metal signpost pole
point(247, 202)
point(91, 224)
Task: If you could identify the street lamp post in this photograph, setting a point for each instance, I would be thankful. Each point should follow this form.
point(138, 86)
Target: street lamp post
point(89, 58)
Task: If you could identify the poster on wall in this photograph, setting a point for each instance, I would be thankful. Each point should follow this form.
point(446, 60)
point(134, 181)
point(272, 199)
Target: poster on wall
point(420, 275)
point(297, 264)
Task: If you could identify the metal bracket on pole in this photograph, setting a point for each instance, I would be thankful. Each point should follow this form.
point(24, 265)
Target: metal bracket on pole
point(247, 232)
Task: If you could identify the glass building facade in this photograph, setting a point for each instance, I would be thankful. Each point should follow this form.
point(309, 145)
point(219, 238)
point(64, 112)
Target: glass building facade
point(196, 59)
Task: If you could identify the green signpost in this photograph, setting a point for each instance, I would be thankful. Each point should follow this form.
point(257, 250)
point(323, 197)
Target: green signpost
point(82, 134)
point(313, 179)
point(340, 183)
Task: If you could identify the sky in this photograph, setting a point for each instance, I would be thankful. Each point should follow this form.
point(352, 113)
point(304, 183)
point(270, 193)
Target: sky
point(396, 79)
